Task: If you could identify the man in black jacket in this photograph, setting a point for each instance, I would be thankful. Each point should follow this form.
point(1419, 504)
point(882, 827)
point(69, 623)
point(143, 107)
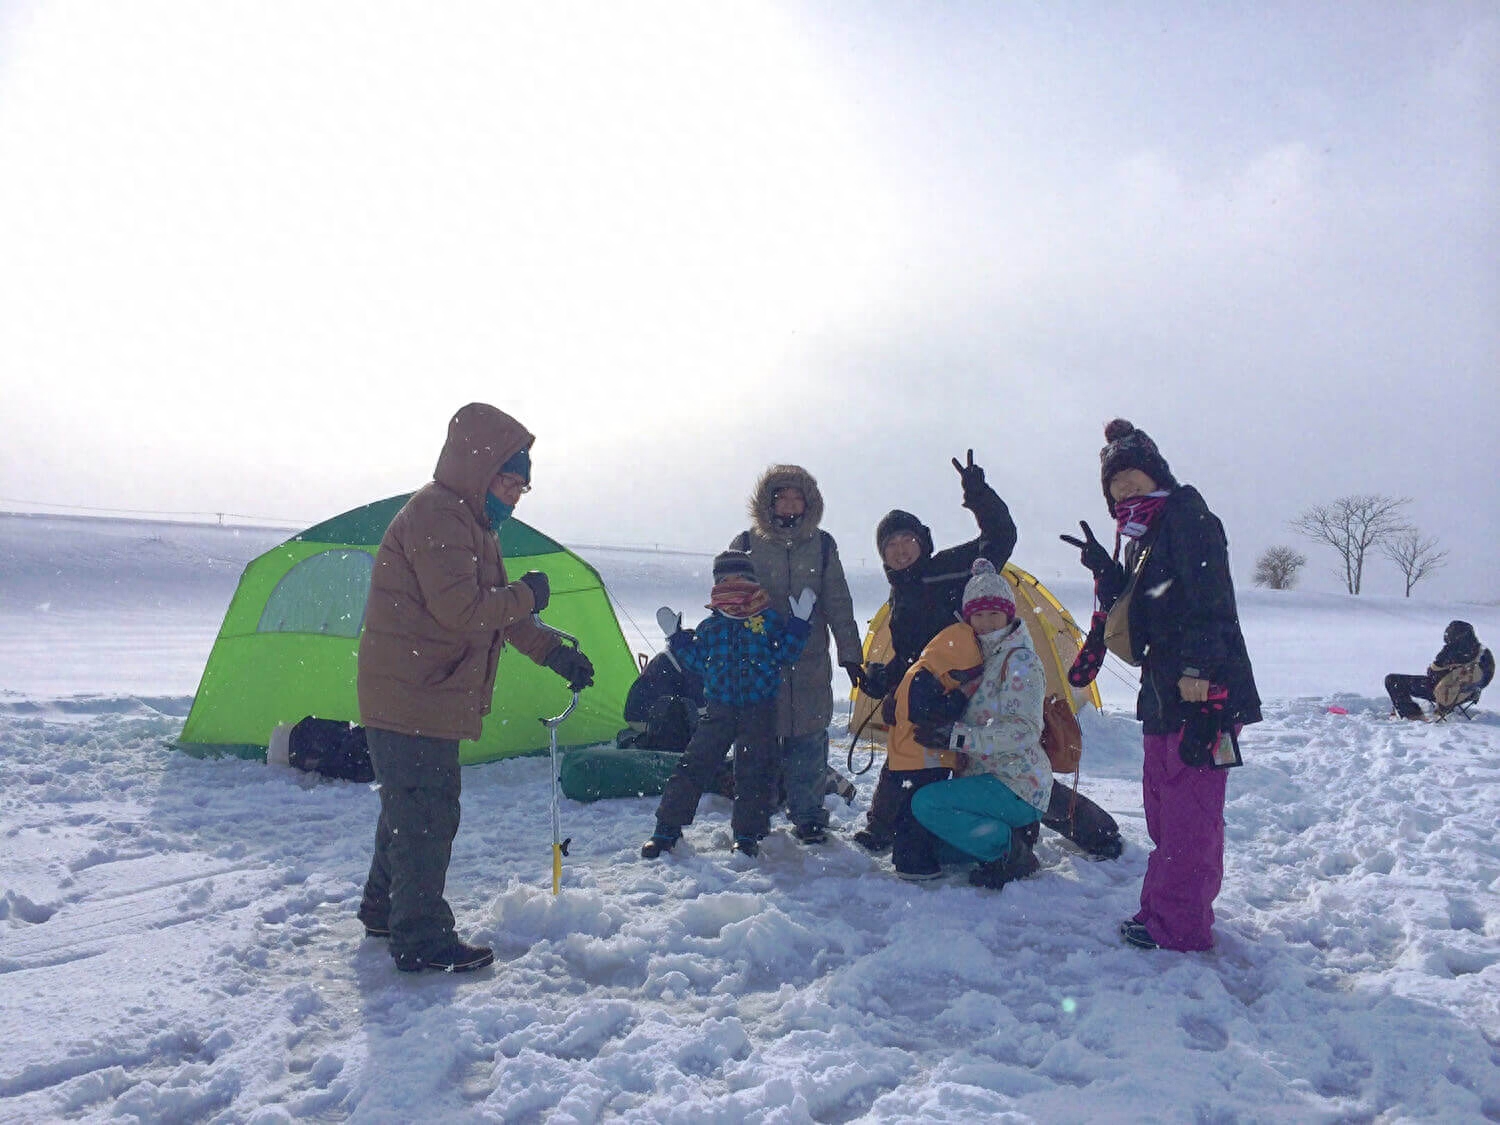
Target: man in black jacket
point(1461, 648)
point(926, 591)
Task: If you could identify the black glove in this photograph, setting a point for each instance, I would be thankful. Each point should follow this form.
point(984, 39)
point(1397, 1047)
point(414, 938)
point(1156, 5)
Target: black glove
point(875, 678)
point(856, 673)
point(934, 736)
point(1200, 733)
point(540, 587)
point(569, 663)
point(1091, 552)
point(971, 474)
point(927, 702)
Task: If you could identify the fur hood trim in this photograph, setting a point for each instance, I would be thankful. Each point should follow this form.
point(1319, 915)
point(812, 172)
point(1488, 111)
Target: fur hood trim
point(762, 501)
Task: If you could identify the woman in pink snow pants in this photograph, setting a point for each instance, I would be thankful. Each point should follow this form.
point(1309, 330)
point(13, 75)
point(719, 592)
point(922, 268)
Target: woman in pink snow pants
point(1174, 616)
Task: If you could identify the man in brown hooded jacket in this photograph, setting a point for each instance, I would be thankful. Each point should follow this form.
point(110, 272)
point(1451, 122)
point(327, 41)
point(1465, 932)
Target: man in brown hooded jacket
point(440, 611)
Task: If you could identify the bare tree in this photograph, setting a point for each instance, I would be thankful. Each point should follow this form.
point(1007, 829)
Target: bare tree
point(1416, 557)
point(1277, 567)
point(1351, 525)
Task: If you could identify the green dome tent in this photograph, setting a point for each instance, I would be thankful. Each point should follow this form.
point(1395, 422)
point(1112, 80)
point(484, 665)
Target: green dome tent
point(289, 644)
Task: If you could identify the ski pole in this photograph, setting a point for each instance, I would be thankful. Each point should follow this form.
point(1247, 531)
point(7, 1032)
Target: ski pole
point(559, 845)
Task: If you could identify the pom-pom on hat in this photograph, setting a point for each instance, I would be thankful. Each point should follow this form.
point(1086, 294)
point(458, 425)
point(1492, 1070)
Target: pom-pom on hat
point(1130, 448)
point(986, 591)
point(734, 564)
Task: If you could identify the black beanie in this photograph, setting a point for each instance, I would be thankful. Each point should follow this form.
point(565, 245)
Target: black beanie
point(895, 522)
point(728, 564)
point(1130, 448)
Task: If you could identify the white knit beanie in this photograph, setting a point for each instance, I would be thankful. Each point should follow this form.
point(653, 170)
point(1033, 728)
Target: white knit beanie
point(987, 591)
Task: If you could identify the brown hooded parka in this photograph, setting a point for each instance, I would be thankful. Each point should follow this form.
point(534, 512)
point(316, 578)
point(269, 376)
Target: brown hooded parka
point(441, 607)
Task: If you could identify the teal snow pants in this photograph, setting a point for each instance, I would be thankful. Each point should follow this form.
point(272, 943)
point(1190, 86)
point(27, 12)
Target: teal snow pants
point(973, 814)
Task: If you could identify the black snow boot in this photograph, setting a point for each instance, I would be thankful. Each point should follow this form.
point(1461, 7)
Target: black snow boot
point(813, 833)
point(456, 957)
point(1018, 863)
point(746, 845)
point(664, 839)
point(1076, 818)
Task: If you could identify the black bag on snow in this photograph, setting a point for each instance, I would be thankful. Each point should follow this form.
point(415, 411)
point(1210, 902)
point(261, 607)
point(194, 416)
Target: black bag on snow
point(662, 706)
point(332, 748)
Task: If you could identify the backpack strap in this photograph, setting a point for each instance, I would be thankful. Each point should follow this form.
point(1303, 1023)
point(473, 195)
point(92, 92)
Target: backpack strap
point(741, 542)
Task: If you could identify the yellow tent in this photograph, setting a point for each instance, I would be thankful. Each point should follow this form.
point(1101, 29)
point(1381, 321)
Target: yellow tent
point(1053, 634)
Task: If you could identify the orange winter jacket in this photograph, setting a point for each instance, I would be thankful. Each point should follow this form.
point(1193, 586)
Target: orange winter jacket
point(955, 649)
point(441, 607)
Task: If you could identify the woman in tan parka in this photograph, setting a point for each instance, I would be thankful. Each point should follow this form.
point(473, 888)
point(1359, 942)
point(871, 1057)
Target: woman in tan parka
point(440, 611)
point(791, 552)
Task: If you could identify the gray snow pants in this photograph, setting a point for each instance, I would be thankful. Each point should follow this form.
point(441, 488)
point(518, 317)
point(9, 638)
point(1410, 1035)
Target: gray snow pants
point(751, 731)
point(419, 810)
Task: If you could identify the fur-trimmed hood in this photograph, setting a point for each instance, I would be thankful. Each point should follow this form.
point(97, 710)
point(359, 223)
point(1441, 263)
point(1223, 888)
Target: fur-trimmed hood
point(763, 501)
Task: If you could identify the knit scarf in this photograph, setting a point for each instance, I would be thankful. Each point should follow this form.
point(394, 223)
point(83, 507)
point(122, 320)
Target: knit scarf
point(1134, 517)
point(738, 599)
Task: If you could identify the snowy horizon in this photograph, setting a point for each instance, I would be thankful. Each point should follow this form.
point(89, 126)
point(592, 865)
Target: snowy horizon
point(245, 270)
point(178, 939)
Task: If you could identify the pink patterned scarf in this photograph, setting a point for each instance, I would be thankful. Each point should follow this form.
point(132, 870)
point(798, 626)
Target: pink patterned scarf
point(1134, 517)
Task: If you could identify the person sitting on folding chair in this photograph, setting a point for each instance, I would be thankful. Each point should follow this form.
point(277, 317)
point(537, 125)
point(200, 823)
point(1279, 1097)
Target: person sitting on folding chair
point(1460, 671)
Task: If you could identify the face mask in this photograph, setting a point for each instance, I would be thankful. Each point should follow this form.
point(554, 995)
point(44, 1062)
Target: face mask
point(497, 510)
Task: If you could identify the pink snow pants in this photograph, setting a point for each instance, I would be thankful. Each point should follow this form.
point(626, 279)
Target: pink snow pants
point(1185, 817)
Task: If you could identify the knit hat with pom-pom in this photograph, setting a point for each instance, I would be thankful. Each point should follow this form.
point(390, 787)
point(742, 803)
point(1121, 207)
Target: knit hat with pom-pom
point(986, 591)
point(1130, 448)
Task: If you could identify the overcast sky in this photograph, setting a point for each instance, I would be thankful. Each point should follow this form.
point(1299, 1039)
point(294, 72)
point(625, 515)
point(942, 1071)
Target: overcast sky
point(254, 254)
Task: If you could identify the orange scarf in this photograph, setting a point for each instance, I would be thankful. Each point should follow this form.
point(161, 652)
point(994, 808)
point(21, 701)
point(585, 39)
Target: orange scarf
point(738, 598)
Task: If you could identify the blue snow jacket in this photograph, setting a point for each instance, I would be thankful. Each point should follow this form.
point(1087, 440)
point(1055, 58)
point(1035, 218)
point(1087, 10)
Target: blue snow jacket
point(740, 659)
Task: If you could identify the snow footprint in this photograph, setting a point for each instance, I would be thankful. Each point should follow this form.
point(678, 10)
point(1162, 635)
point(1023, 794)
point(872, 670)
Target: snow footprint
point(23, 909)
point(1202, 1035)
point(1463, 914)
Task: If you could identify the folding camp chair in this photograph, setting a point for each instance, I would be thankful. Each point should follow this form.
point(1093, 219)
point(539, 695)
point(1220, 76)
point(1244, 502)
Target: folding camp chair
point(1464, 703)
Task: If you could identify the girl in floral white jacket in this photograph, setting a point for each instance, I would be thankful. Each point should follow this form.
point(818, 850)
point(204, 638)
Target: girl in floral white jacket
point(1002, 780)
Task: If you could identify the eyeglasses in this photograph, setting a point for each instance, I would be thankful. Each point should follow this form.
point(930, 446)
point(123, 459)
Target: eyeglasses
point(513, 483)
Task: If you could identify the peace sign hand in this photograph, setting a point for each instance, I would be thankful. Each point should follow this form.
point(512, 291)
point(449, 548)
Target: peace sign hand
point(971, 474)
point(1091, 552)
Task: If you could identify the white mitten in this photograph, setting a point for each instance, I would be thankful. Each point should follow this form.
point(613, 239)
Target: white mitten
point(802, 604)
point(669, 620)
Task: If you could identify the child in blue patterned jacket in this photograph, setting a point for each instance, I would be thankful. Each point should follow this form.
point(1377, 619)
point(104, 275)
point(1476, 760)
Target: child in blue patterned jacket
point(739, 650)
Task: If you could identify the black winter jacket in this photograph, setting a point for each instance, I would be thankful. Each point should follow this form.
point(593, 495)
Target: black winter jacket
point(926, 597)
point(1183, 620)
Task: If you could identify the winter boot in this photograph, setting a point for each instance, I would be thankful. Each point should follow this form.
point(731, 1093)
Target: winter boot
point(455, 957)
point(664, 839)
point(924, 875)
point(813, 833)
point(873, 842)
point(838, 784)
point(1018, 863)
point(1136, 934)
point(746, 845)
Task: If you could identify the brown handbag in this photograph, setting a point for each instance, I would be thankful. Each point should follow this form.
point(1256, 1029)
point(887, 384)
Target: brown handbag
point(1117, 624)
point(1062, 737)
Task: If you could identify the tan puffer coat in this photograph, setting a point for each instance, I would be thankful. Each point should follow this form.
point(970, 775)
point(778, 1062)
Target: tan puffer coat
point(441, 607)
point(787, 561)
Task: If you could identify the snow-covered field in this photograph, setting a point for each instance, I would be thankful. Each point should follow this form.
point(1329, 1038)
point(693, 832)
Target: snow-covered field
point(178, 942)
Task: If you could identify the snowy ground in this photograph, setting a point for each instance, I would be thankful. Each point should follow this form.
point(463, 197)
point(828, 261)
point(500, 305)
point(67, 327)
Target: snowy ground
point(177, 939)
